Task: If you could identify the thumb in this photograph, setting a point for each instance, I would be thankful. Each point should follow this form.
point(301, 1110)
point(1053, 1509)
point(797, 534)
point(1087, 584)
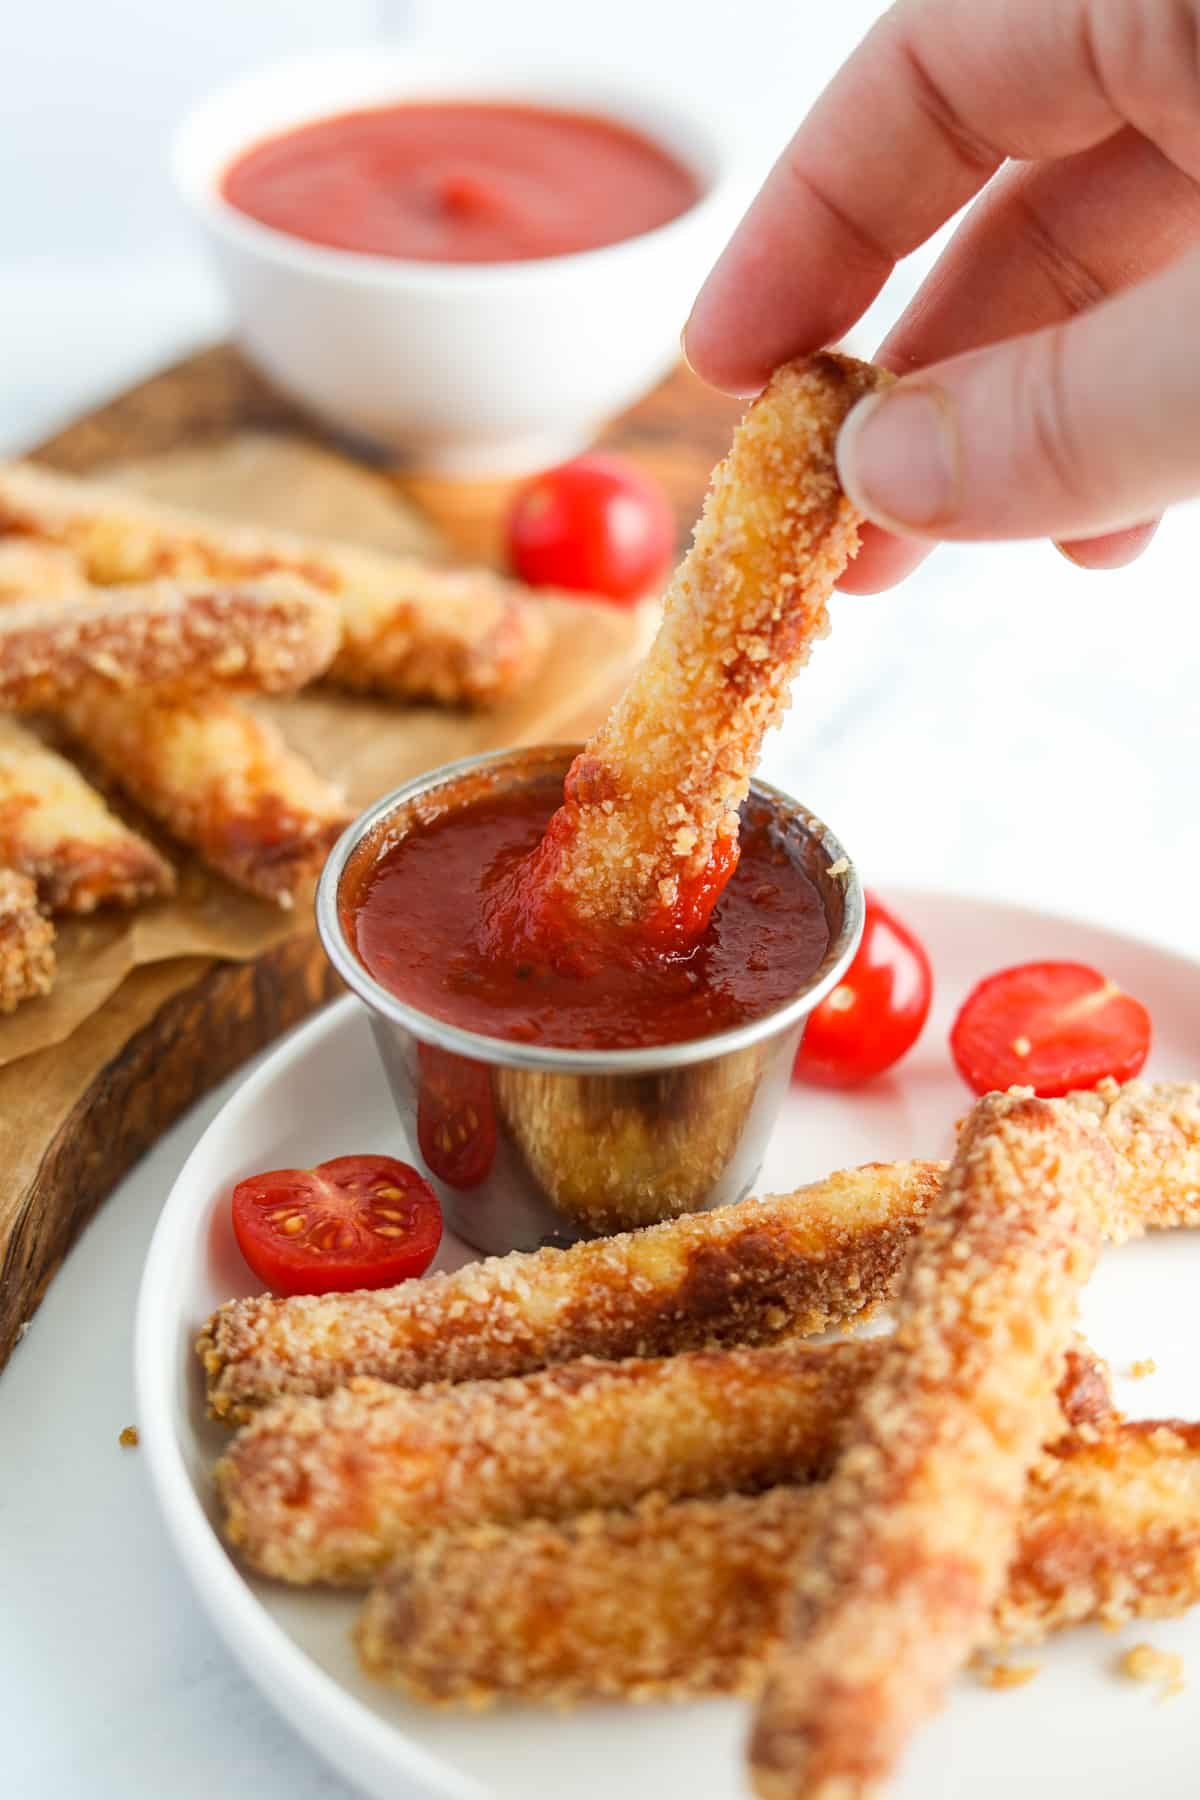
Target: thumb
point(1067, 433)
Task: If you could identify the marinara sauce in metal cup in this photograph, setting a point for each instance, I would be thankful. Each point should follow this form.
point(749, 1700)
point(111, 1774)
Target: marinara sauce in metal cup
point(587, 1141)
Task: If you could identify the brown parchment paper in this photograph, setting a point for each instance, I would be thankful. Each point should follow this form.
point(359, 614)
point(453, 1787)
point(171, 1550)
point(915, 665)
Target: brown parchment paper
point(365, 745)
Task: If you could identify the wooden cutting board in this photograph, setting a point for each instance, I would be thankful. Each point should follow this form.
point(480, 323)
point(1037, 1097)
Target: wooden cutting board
point(74, 1117)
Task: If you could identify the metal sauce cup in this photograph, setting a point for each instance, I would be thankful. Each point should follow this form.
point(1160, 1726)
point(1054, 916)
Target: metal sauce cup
point(590, 1141)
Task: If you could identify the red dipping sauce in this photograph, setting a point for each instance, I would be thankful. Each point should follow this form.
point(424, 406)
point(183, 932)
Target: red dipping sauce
point(417, 919)
point(460, 181)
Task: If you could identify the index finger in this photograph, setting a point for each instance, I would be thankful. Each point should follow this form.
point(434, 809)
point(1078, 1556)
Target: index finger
point(934, 99)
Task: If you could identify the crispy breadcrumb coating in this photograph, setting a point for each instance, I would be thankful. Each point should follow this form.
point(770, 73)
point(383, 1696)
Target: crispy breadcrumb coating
point(916, 1527)
point(219, 779)
point(55, 828)
point(1154, 1128)
point(409, 628)
point(328, 1490)
point(26, 943)
point(744, 1274)
point(652, 802)
point(676, 1599)
point(804, 1262)
point(270, 638)
point(32, 570)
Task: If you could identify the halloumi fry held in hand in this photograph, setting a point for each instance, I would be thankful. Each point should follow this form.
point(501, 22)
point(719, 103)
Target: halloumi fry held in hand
point(270, 638)
point(744, 1274)
point(917, 1525)
point(802, 1262)
point(409, 628)
point(329, 1490)
point(55, 828)
point(678, 1599)
point(27, 962)
point(220, 780)
point(647, 834)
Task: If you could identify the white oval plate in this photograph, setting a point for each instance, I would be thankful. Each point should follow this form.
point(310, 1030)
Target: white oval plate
point(1076, 1729)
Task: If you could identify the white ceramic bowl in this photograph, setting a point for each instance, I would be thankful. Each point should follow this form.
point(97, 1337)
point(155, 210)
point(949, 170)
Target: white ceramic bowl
point(462, 368)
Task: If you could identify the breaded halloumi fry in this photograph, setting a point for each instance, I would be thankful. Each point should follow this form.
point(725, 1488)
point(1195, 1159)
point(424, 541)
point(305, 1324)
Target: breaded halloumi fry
point(802, 1262)
point(329, 1490)
point(220, 780)
point(917, 1525)
point(272, 637)
point(676, 1599)
point(744, 1274)
point(55, 828)
point(409, 628)
point(648, 829)
point(27, 963)
point(29, 567)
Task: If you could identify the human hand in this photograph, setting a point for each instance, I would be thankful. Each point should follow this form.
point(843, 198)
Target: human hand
point(1058, 336)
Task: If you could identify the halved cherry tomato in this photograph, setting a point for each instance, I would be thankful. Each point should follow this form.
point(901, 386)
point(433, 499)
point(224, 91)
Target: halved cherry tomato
point(597, 525)
point(876, 1012)
point(355, 1222)
point(1051, 1026)
point(456, 1120)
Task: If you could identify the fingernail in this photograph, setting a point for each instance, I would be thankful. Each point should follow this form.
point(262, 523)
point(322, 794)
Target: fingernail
point(897, 456)
point(1066, 551)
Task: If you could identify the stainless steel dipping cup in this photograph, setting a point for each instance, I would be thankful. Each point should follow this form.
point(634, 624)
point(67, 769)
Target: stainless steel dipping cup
point(591, 1141)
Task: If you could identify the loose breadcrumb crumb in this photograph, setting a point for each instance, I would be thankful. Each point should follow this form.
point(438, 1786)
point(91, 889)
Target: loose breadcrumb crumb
point(1145, 1663)
point(1009, 1675)
point(1145, 1365)
point(129, 1439)
point(840, 867)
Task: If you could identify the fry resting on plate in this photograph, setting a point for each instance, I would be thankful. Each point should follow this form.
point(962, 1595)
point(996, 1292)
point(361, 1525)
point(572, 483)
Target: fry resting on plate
point(743, 1274)
point(330, 1489)
point(915, 1529)
point(679, 1599)
point(802, 1262)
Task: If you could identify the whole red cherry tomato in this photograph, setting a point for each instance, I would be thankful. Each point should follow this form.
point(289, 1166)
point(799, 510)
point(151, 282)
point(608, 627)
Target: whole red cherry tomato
point(875, 1013)
point(1051, 1026)
point(597, 525)
point(355, 1222)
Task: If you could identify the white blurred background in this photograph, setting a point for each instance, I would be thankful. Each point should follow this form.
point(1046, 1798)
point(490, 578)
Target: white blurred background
point(1006, 724)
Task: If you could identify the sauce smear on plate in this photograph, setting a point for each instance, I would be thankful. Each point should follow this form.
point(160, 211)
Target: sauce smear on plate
point(462, 181)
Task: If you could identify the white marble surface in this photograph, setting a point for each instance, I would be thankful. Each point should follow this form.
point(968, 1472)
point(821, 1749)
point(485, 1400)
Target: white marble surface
point(1006, 725)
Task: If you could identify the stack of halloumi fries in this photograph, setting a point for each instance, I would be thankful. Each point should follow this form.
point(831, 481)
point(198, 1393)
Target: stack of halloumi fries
point(617, 1469)
point(137, 628)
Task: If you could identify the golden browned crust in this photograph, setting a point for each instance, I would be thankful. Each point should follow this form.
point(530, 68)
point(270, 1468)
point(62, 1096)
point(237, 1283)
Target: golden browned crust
point(1154, 1128)
point(408, 628)
point(659, 785)
point(219, 779)
point(26, 943)
point(677, 1599)
point(801, 1262)
point(56, 829)
point(32, 570)
point(745, 1274)
point(270, 638)
point(915, 1529)
point(329, 1490)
